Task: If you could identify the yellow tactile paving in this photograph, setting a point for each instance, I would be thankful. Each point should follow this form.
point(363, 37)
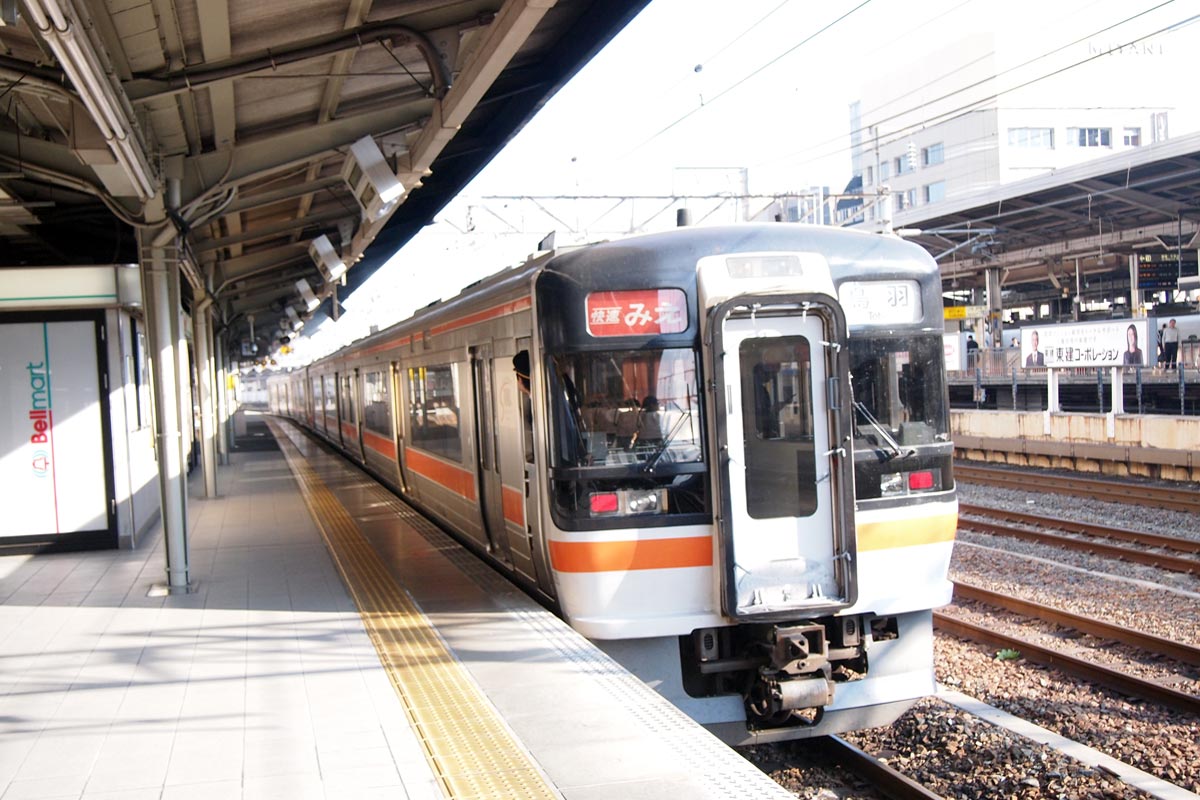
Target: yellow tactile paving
point(469, 748)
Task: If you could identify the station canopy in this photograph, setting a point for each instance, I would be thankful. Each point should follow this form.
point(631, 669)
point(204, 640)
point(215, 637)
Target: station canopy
point(280, 140)
point(1094, 215)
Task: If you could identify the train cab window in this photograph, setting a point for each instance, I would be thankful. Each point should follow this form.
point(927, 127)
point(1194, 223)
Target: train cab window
point(626, 432)
point(433, 413)
point(777, 416)
point(375, 403)
point(901, 423)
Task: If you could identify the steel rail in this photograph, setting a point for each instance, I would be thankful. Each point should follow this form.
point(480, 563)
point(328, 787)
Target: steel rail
point(1183, 653)
point(1112, 491)
point(1186, 564)
point(1091, 529)
point(881, 777)
point(1104, 676)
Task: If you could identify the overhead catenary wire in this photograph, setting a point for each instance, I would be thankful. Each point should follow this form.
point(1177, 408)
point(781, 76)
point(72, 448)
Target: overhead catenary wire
point(723, 48)
point(977, 104)
point(745, 78)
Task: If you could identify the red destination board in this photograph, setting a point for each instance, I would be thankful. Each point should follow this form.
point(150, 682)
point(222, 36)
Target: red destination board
point(637, 312)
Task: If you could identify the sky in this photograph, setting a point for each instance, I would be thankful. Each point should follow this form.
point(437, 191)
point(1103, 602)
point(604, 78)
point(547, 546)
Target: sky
point(707, 96)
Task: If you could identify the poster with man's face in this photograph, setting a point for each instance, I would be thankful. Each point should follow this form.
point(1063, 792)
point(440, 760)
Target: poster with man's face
point(1112, 343)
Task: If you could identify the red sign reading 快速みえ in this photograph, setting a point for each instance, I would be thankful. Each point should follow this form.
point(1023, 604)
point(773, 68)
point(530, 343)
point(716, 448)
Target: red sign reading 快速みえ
point(637, 312)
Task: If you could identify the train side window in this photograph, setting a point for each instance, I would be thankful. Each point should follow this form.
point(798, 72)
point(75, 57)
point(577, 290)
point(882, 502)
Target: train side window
point(375, 403)
point(331, 396)
point(433, 412)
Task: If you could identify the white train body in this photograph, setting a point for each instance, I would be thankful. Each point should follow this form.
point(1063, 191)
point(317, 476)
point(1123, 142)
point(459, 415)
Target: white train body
point(731, 466)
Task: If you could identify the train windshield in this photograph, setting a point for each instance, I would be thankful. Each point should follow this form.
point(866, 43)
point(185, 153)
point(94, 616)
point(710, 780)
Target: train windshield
point(899, 400)
point(901, 424)
point(627, 434)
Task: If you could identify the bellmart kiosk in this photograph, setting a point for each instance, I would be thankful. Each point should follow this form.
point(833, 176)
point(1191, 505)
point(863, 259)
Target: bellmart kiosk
point(77, 461)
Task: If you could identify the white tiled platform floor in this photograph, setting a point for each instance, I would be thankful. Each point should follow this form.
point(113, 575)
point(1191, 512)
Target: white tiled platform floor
point(262, 684)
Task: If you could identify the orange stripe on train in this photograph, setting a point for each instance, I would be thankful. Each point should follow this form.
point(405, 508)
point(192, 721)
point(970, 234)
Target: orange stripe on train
point(690, 551)
point(456, 479)
point(380, 444)
point(514, 505)
point(906, 532)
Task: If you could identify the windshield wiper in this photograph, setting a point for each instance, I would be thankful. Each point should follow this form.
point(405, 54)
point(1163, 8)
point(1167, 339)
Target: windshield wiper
point(652, 462)
point(892, 445)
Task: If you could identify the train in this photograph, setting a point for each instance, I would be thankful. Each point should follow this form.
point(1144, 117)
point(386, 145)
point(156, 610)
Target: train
point(721, 453)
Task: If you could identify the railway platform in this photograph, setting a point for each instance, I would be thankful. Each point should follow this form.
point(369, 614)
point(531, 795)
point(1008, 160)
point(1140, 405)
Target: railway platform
point(336, 645)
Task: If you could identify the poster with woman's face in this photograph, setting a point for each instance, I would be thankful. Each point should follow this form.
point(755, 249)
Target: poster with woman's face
point(1086, 344)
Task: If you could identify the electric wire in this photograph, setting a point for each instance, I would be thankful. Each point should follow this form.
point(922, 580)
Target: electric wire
point(977, 104)
point(755, 72)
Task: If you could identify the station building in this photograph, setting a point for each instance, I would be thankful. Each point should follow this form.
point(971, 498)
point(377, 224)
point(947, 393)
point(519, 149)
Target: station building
point(1024, 112)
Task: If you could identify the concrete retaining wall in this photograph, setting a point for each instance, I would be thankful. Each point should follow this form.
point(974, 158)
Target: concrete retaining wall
point(1152, 446)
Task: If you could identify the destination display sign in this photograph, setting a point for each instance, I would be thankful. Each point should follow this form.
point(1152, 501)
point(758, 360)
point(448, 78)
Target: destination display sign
point(637, 312)
point(1163, 270)
point(880, 302)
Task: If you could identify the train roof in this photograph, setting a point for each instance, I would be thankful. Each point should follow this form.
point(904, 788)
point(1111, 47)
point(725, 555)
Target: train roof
point(673, 255)
point(848, 252)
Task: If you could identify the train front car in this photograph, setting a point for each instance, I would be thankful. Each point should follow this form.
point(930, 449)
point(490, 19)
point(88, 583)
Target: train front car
point(711, 396)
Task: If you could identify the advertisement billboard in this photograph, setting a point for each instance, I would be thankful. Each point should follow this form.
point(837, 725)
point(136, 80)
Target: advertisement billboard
point(53, 461)
point(1113, 343)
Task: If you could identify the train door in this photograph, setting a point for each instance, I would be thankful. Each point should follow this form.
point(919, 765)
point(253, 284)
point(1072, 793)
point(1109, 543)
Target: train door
point(531, 541)
point(399, 416)
point(353, 413)
point(487, 455)
point(339, 411)
point(318, 402)
point(785, 479)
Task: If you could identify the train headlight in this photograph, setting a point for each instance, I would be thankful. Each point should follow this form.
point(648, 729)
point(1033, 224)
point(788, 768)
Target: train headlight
point(891, 484)
point(642, 502)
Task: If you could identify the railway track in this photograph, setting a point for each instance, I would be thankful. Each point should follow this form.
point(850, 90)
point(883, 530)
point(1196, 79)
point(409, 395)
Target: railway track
point(1182, 499)
point(1108, 677)
point(1187, 562)
point(1183, 653)
point(1144, 538)
point(881, 777)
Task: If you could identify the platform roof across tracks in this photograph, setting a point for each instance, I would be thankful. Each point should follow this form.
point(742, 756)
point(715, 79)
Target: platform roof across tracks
point(232, 124)
point(1145, 200)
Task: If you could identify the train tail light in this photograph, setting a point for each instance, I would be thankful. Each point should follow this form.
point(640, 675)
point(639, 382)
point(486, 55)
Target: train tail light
point(898, 484)
point(920, 481)
point(627, 502)
point(606, 503)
